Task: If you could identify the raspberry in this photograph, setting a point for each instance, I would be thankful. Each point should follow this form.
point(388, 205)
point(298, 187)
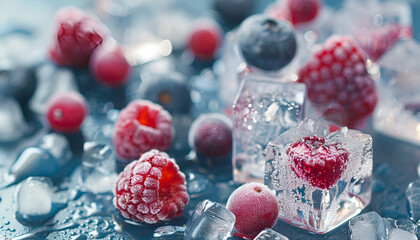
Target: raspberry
point(205, 39)
point(211, 135)
point(255, 208)
point(338, 83)
point(375, 43)
point(109, 65)
point(151, 189)
point(77, 36)
point(66, 111)
point(142, 126)
point(316, 162)
point(296, 11)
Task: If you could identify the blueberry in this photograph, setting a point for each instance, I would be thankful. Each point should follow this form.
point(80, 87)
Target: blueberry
point(233, 11)
point(170, 90)
point(19, 83)
point(266, 43)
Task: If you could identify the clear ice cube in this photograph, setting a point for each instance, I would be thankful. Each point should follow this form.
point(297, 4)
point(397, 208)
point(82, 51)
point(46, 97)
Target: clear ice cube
point(371, 226)
point(311, 207)
point(211, 221)
point(13, 124)
point(96, 175)
point(264, 108)
point(269, 234)
point(34, 196)
point(397, 112)
point(413, 195)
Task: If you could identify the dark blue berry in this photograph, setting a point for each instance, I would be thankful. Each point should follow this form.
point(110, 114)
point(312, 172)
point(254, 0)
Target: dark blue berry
point(170, 90)
point(266, 43)
point(19, 83)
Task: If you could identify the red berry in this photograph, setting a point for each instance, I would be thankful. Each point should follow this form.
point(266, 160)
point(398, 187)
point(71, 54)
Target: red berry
point(109, 65)
point(303, 11)
point(316, 162)
point(255, 208)
point(338, 83)
point(151, 189)
point(66, 111)
point(377, 41)
point(211, 135)
point(204, 41)
point(77, 36)
point(142, 126)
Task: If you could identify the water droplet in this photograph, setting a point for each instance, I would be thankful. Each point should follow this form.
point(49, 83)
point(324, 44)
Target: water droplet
point(7, 223)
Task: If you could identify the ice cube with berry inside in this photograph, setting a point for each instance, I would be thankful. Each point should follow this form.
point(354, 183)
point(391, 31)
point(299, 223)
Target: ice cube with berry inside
point(321, 174)
point(264, 108)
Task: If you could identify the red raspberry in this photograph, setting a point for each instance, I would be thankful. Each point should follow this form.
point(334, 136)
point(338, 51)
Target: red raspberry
point(211, 135)
point(338, 83)
point(151, 189)
point(375, 43)
point(109, 65)
point(255, 208)
point(317, 163)
point(296, 11)
point(142, 126)
point(204, 41)
point(66, 111)
point(77, 36)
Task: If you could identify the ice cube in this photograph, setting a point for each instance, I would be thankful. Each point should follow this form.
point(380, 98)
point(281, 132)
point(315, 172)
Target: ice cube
point(48, 85)
point(97, 175)
point(397, 111)
point(211, 221)
point(263, 109)
point(13, 124)
point(310, 198)
point(371, 226)
point(34, 196)
point(413, 196)
point(269, 234)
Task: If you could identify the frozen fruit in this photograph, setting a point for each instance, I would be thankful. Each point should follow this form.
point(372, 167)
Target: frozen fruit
point(233, 12)
point(151, 189)
point(142, 126)
point(338, 84)
point(19, 83)
point(170, 90)
point(77, 35)
point(205, 40)
point(303, 11)
point(266, 43)
point(255, 208)
point(109, 65)
point(319, 163)
point(377, 41)
point(211, 135)
point(66, 111)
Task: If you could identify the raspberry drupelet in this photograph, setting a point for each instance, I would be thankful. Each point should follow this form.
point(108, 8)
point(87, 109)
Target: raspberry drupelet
point(142, 126)
point(151, 189)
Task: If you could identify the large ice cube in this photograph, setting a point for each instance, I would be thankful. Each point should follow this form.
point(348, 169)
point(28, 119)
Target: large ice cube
point(314, 193)
point(264, 108)
point(397, 110)
point(268, 234)
point(34, 196)
point(211, 221)
point(371, 226)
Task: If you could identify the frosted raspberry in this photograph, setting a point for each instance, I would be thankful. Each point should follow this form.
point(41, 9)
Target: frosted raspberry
point(255, 208)
point(142, 126)
point(77, 36)
point(338, 83)
point(151, 189)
